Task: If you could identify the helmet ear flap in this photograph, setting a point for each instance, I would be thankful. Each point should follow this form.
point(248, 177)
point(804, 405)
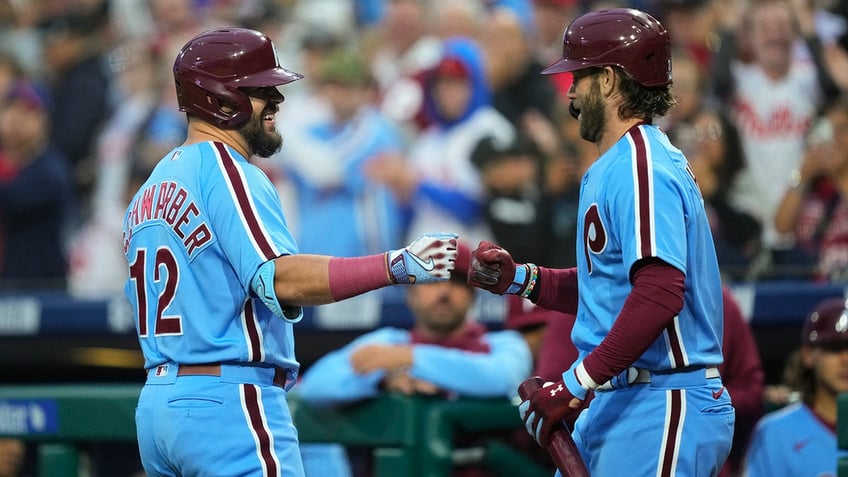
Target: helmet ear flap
point(230, 106)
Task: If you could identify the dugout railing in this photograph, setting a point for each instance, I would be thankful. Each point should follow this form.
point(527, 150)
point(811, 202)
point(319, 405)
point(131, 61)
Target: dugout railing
point(408, 436)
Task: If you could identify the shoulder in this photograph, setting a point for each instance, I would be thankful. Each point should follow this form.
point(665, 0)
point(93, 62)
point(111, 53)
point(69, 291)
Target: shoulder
point(786, 418)
point(506, 339)
point(385, 335)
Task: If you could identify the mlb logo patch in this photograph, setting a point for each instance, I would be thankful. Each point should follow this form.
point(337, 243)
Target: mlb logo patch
point(176, 155)
point(161, 370)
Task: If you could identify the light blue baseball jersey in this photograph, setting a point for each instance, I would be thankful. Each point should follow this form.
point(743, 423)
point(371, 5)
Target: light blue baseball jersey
point(640, 200)
point(792, 442)
point(194, 235)
point(496, 373)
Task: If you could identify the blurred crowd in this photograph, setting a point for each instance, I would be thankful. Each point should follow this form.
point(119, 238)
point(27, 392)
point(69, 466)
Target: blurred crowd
point(422, 115)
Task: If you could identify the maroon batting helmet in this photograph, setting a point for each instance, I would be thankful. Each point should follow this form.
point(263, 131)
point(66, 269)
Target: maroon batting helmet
point(623, 37)
point(827, 325)
point(212, 66)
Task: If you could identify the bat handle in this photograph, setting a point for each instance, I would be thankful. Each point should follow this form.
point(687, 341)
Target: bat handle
point(561, 448)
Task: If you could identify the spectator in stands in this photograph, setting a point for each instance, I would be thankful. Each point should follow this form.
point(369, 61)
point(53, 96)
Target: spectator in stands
point(691, 26)
point(12, 454)
point(403, 45)
point(36, 195)
point(327, 165)
point(438, 179)
point(548, 18)
point(97, 262)
point(774, 98)
point(446, 353)
point(800, 439)
point(517, 211)
point(711, 143)
point(513, 69)
point(704, 131)
point(815, 203)
point(74, 54)
point(565, 158)
point(10, 72)
point(452, 18)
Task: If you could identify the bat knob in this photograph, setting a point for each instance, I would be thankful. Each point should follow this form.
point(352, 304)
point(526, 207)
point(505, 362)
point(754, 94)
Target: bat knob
point(530, 386)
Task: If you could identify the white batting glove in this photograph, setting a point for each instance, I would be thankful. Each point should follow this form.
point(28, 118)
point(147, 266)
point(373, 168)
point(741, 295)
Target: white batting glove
point(430, 258)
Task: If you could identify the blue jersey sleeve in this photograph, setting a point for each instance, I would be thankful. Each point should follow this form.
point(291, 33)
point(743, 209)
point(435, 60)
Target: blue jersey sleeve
point(332, 380)
point(494, 374)
point(244, 208)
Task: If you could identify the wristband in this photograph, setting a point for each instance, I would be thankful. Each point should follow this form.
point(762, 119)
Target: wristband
point(519, 280)
point(534, 277)
point(578, 382)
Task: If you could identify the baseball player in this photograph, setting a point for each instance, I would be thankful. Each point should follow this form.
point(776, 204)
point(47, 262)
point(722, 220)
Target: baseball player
point(216, 280)
point(646, 290)
point(800, 439)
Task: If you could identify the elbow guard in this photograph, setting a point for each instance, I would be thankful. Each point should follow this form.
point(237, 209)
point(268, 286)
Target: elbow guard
point(262, 286)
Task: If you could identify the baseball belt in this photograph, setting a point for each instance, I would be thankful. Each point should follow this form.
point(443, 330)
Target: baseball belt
point(634, 375)
point(214, 369)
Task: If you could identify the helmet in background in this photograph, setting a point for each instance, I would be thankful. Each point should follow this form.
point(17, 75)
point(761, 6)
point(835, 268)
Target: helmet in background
point(625, 37)
point(212, 67)
point(827, 325)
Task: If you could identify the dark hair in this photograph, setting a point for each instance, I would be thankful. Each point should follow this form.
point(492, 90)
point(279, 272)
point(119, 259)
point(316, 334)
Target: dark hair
point(641, 102)
point(734, 154)
point(490, 149)
point(800, 378)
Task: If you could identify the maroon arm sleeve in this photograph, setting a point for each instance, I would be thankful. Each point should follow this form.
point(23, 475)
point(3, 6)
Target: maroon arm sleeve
point(556, 289)
point(654, 301)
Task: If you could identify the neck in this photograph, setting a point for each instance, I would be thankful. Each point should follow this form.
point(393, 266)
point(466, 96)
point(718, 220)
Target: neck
point(824, 405)
point(201, 131)
point(434, 334)
point(615, 131)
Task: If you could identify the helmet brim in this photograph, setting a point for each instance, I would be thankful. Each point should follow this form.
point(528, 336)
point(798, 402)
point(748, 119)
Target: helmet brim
point(273, 77)
point(564, 65)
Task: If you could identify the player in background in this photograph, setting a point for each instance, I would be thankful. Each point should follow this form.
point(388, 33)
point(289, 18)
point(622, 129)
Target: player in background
point(800, 439)
point(216, 280)
point(646, 290)
point(446, 354)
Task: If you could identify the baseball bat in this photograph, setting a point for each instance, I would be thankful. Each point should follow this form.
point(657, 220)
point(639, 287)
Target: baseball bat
point(561, 448)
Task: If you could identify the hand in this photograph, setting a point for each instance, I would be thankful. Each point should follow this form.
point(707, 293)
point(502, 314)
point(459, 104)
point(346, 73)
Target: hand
point(546, 409)
point(381, 357)
point(402, 382)
point(493, 269)
point(430, 258)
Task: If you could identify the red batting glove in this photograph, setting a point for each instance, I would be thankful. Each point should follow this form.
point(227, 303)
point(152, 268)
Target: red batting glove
point(493, 269)
point(546, 408)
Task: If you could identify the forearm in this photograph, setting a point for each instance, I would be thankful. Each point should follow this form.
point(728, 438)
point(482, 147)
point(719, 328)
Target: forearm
point(556, 289)
point(332, 380)
point(786, 214)
point(496, 373)
point(309, 280)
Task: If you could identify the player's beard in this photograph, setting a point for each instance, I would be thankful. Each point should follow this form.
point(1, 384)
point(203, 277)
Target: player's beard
point(592, 119)
point(261, 142)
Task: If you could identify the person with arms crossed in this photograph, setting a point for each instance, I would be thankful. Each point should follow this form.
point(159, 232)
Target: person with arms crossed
point(216, 280)
point(646, 290)
point(800, 439)
point(446, 353)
